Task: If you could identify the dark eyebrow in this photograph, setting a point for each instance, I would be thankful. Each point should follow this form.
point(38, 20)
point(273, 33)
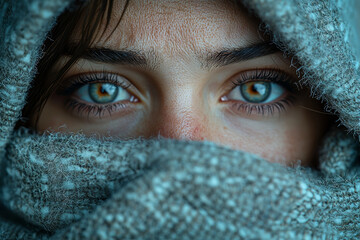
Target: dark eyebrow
point(112, 56)
point(106, 55)
point(229, 56)
point(209, 60)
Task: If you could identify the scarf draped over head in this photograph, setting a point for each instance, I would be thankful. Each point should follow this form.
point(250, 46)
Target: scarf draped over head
point(59, 186)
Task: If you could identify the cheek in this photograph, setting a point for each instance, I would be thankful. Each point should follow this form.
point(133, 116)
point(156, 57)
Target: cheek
point(286, 140)
point(55, 117)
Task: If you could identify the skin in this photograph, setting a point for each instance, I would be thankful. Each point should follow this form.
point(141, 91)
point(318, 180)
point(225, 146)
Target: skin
point(178, 96)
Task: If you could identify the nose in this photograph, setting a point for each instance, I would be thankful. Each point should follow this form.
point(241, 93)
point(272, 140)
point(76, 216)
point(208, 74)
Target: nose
point(182, 125)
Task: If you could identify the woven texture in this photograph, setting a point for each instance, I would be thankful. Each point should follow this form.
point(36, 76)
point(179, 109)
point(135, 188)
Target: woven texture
point(74, 187)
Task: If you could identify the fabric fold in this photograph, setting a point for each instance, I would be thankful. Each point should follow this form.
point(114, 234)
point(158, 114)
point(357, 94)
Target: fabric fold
point(25, 25)
point(165, 188)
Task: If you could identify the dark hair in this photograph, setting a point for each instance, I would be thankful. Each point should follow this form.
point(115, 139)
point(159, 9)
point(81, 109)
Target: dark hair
point(89, 15)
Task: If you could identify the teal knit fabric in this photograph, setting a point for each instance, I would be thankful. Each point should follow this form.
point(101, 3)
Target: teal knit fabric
point(73, 187)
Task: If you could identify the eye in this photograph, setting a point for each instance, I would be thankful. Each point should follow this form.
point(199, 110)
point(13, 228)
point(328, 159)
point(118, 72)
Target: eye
point(257, 92)
point(102, 93)
point(97, 95)
point(261, 92)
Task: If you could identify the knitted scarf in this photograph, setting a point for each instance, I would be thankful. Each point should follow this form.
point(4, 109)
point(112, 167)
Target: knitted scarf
point(60, 186)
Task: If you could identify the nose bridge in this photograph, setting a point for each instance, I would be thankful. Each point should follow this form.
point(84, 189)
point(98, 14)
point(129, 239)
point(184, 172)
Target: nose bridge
point(181, 124)
point(180, 111)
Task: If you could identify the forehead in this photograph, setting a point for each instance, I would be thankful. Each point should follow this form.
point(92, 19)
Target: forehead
point(179, 26)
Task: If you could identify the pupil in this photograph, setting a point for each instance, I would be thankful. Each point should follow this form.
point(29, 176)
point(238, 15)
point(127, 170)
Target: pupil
point(253, 89)
point(103, 93)
point(256, 92)
point(259, 89)
point(106, 89)
point(102, 90)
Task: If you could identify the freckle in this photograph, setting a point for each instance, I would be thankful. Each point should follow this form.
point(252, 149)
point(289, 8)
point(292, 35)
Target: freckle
point(196, 129)
point(197, 132)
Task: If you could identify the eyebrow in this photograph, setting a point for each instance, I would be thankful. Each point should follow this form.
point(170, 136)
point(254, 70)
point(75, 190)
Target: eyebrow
point(209, 59)
point(229, 56)
point(106, 55)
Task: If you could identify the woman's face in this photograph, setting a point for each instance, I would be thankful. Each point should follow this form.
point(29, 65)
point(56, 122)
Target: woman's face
point(196, 70)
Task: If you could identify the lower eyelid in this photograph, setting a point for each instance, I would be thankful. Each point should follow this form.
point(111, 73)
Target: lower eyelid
point(97, 111)
point(268, 109)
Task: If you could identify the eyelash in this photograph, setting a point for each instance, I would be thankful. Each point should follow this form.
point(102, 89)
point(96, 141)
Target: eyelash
point(83, 79)
point(99, 109)
point(270, 75)
point(96, 110)
point(265, 110)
